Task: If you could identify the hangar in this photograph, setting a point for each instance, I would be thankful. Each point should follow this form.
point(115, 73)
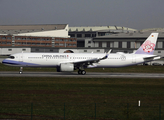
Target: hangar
point(55, 35)
point(62, 38)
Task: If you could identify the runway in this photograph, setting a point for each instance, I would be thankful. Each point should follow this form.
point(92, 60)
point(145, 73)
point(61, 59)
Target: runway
point(88, 75)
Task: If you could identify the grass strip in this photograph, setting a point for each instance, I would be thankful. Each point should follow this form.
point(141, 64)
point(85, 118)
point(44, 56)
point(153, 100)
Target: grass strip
point(52, 98)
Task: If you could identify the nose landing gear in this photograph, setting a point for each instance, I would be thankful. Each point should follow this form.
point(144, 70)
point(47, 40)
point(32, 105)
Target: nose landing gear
point(21, 70)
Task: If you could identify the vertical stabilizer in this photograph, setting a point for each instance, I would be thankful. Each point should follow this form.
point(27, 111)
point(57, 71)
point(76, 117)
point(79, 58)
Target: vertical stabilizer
point(148, 46)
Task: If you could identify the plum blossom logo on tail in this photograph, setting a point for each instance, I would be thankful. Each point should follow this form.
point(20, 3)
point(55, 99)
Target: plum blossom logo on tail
point(148, 46)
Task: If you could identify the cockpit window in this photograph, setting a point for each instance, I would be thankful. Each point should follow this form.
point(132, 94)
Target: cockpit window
point(12, 57)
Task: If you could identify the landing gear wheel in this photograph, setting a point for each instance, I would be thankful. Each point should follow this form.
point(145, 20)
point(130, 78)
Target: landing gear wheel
point(83, 72)
point(79, 72)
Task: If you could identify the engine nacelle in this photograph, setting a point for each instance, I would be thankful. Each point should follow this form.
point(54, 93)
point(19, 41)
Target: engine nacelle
point(65, 67)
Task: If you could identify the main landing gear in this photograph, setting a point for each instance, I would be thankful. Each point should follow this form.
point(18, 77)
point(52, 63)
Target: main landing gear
point(81, 72)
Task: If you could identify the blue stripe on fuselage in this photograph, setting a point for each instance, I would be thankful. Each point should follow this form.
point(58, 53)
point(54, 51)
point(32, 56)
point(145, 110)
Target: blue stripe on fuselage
point(12, 62)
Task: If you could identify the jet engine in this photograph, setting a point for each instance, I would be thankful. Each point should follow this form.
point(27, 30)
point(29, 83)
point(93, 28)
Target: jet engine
point(65, 67)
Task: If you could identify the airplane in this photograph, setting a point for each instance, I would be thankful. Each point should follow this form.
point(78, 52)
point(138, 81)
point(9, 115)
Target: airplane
point(68, 62)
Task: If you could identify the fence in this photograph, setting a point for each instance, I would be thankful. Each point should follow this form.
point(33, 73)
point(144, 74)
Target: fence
point(95, 111)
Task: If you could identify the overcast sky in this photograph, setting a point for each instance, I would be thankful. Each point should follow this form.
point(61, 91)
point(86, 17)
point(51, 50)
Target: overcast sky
point(137, 14)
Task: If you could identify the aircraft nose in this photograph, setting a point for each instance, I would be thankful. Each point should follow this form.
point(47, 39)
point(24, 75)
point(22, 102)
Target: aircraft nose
point(4, 61)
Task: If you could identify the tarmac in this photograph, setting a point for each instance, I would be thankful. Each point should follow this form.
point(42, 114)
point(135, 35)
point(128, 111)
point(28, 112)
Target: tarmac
point(75, 75)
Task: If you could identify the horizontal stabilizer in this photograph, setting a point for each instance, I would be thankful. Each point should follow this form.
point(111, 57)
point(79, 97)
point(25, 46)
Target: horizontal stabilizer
point(147, 59)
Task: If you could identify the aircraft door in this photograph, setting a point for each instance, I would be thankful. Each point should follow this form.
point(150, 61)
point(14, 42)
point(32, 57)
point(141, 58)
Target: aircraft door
point(21, 57)
point(134, 59)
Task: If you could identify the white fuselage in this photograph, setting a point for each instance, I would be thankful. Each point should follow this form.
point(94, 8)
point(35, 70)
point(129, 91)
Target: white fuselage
point(55, 59)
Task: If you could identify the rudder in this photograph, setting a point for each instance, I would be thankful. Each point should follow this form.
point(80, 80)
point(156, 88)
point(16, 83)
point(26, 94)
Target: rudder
point(148, 46)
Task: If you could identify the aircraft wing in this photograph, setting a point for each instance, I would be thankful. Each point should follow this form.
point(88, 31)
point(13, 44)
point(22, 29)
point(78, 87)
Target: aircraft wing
point(85, 63)
point(89, 61)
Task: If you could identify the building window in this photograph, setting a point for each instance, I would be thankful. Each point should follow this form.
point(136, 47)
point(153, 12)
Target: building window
point(72, 35)
point(23, 38)
point(28, 38)
point(9, 49)
point(112, 44)
point(43, 44)
point(3, 38)
point(124, 44)
point(104, 44)
point(120, 44)
point(100, 44)
point(132, 44)
point(23, 49)
point(128, 44)
point(85, 50)
point(93, 35)
point(61, 44)
point(9, 38)
point(79, 35)
point(43, 39)
point(159, 45)
point(87, 35)
point(48, 39)
point(98, 50)
point(108, 44)
point(115, 44)
point(18, 38)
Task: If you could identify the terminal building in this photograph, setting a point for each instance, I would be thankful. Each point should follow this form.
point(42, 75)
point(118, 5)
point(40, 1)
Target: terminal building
point(84, 34)
point(119, 39)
